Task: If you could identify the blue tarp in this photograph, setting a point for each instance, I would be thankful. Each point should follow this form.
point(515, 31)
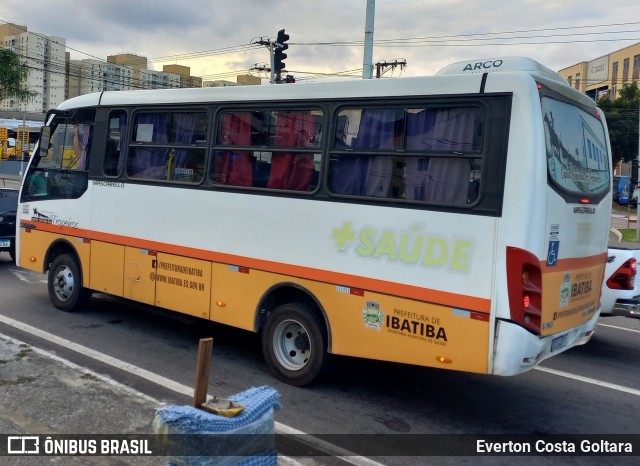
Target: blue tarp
point(253, 429)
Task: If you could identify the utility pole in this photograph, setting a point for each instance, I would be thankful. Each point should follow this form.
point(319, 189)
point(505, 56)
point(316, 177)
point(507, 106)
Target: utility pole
point(367, 62)
point(381, 66)
point(269, 44)
point(276, 55)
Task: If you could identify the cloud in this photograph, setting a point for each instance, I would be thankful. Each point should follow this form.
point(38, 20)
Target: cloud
point(435, 33)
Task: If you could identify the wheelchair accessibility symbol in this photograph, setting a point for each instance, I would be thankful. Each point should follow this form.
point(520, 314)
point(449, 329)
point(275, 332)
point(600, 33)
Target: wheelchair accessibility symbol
point(552, 257)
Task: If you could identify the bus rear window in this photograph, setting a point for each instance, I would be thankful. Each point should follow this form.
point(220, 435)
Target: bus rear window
point(577, 157)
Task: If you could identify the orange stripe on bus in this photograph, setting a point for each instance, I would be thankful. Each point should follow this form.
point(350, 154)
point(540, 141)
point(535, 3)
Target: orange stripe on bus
point(574, 263)
point(446, 298)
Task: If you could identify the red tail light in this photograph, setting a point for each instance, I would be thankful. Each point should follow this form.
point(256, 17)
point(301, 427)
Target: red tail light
point(624, 278)
point(524, 282)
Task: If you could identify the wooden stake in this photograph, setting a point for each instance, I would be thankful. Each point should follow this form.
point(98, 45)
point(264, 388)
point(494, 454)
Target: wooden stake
point(205, 347)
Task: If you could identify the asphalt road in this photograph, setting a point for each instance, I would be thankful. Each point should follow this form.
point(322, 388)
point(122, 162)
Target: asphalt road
point(594, 389)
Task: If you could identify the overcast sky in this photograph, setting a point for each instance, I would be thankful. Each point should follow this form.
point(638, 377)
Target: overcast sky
point(428, 34)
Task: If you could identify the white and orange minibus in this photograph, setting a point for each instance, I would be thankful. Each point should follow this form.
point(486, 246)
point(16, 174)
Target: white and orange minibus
point(457, 221)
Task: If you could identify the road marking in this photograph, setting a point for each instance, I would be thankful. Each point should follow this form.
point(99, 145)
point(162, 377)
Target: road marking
point(318, 444)
point(28, 277)
point(580, 378)
point(620, 328)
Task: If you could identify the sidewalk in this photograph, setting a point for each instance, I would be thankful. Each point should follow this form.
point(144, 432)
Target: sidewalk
point(9, 181)
point(41, 394)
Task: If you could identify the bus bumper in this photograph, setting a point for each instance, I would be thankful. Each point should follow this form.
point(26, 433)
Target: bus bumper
point(518, 350)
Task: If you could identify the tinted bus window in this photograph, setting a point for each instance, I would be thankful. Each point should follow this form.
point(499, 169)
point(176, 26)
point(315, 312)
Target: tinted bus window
point(168, 146)
point(273, 149)
point(417, 154)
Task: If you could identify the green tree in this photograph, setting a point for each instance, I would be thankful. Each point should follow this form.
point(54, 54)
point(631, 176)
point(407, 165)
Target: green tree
point(13, 77)
point(622, 120)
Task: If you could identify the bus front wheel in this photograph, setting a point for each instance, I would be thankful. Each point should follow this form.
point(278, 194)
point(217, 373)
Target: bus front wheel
point(65, 284)
point(293, 344)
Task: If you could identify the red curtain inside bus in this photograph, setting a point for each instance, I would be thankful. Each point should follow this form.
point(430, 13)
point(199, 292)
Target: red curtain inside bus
point(291, 170)
point(235, 167)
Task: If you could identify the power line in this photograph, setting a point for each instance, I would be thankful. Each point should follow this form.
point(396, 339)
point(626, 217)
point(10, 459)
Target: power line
point(460, 40)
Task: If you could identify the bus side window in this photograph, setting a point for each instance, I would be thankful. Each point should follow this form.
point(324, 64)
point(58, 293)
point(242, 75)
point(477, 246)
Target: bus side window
point(231, 166)
point(293, 170)
point(117, 133)
point(426, 154)
point(111, 158)
point(377, 130)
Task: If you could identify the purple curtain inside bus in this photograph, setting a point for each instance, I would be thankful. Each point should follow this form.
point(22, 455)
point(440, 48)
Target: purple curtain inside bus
point(84, 133)
point(368, 175)
point(450, 131)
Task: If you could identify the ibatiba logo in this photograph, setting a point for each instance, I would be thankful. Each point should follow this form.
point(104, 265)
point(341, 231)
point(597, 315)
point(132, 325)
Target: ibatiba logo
point(412, 246)
point(372, 315)
point(565, 289)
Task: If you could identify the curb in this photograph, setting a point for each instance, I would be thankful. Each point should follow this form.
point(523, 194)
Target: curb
point(615, 232)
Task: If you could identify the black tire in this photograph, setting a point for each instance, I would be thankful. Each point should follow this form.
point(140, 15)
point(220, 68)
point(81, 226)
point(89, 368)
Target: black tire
point(293, 344)
point(65, 284)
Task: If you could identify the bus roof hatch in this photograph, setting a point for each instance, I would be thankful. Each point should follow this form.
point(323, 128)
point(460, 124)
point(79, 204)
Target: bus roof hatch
point(494, 65)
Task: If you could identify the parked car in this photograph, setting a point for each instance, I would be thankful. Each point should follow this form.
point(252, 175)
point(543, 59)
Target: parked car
point(624, 192)
point(8, 209)
point(620, 287)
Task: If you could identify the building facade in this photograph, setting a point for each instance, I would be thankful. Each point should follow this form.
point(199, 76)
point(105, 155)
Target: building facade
point(241, 80)
point(55, 77)
point(45, 58)
point(605, 76)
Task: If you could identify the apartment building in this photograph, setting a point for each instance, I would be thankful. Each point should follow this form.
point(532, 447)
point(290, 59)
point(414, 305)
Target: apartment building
point(45, 58)
point(55, 77)
point(604, 76)
point(186, 80)
point(241, 80)
point(90, 75)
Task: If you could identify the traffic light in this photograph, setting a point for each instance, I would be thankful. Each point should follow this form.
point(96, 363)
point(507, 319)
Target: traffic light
point(280, 46)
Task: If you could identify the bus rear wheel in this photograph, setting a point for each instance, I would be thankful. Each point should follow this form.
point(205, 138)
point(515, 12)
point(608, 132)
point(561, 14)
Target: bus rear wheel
point(65, 284)
point(293, 344)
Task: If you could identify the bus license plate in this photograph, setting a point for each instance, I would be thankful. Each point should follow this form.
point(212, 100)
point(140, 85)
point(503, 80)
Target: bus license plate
point(559, 342)
point(5, 243)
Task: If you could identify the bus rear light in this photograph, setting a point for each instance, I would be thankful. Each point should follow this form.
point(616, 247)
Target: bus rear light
point(584, 201)
point(524, 284)
point(624, 278)
point(444, 359)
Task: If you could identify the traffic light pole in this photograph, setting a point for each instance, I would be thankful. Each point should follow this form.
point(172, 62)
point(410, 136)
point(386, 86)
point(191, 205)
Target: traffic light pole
point(277, 56)
point(273, 62)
